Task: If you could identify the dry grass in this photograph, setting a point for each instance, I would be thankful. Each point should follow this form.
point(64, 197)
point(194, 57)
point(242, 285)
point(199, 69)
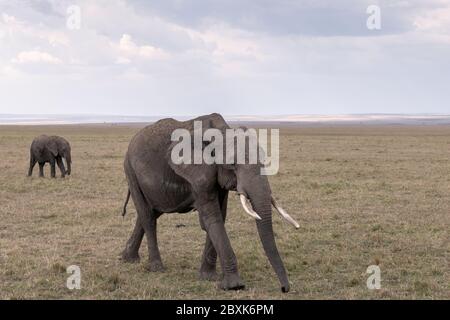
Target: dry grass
point(362, 195)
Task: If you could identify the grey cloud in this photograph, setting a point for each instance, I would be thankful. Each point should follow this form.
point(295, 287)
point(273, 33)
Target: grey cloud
point(43, 6)
point(288, 17)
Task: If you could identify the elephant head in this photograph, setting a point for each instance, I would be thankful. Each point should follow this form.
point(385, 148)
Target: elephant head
point(58, 146)
point(246, 179)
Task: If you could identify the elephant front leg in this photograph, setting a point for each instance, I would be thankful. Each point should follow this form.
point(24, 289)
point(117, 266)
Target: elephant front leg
point(209, 258)
point(41, 169)
point(212, 220)
point(61, 167)
point(53, 168)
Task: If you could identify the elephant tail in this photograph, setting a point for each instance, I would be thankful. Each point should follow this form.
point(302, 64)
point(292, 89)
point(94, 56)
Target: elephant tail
point(124, 212)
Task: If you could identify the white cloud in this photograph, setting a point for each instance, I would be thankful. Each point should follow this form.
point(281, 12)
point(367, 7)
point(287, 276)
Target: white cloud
point(437, 20)
point(8, 19)
point(129, 48)
point(122, 60)
point(35, 56)
point(10, 72)
point(57, 38)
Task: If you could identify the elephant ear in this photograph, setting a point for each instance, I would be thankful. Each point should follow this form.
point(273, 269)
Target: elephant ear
point(201, 176)
point(226, 178)
point(186, 159)
point(52, 146)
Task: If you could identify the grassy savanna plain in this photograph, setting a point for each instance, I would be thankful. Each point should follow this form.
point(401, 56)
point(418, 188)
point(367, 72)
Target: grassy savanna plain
point(363, 195)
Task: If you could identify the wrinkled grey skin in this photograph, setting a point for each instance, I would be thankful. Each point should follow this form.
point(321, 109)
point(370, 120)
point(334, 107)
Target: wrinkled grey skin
point(159, 186)
point(52, 150)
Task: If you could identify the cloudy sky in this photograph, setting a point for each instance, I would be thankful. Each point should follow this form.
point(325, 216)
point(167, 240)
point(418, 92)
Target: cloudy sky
point(188, 57)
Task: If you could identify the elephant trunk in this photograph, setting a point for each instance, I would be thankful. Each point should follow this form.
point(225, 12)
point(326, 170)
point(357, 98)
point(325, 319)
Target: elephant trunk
point(262, 205)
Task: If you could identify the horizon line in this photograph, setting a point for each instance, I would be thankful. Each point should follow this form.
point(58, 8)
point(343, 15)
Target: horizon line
point(368, 118)
point(231, 115)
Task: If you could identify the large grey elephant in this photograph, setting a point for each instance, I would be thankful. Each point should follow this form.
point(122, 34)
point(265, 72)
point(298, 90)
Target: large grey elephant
point(51, 149)
point(157, 185)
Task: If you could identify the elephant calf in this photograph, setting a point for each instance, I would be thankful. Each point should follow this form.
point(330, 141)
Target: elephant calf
point(50, 149)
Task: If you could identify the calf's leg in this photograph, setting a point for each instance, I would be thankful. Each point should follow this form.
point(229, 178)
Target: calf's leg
point(32, 164)
point(61, 167)
point(41, 169)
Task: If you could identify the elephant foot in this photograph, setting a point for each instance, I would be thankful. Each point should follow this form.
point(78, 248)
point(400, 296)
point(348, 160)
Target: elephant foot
point(130, 257)
point(232, 282)
point(155, 266)
point(208, 275)
point(208, 271)
point(286, 288)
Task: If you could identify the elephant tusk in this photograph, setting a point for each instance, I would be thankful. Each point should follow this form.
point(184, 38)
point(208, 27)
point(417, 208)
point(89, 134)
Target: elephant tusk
point(284, 214)
point(247, 208)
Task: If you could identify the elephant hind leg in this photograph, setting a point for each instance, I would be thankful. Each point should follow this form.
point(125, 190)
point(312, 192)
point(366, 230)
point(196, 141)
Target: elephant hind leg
point(131, 252)
point(147, 218)
point(154, 257)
